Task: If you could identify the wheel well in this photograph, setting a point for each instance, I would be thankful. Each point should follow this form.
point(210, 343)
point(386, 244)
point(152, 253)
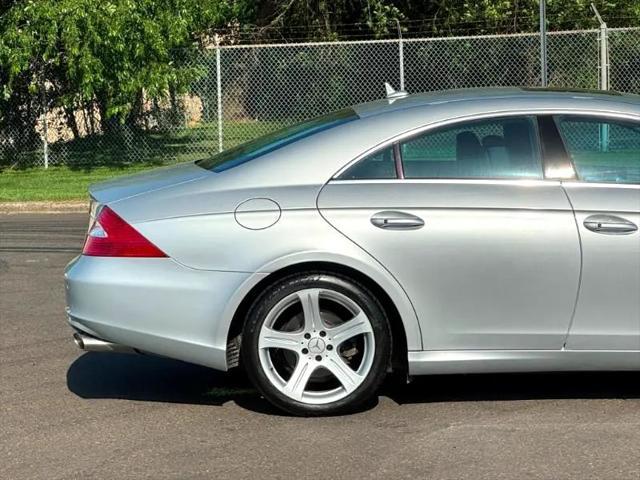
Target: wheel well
point(399, 338)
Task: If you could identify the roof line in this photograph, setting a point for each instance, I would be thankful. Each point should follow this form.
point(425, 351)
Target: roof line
point(420, 100)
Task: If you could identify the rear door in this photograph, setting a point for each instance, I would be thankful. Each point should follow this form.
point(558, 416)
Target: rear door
point(486, 248)
point(606, 156)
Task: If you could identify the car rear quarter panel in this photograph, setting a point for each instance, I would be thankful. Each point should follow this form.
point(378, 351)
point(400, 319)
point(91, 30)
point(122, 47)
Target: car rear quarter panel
point(218, 243)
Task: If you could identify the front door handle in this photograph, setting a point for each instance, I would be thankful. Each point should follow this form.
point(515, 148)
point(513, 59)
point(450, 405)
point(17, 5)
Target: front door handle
point(390, 220)
point(609, 224)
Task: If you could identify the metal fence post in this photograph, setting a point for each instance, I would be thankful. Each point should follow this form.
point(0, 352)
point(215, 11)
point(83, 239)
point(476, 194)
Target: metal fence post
point(604, 57)
point(401, 55)
point(603, 39)
point(543, 43)
point(219, 94)
point(45, 130)
point(603, 65)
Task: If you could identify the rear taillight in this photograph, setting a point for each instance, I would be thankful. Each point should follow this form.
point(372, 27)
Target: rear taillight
point(111, 236)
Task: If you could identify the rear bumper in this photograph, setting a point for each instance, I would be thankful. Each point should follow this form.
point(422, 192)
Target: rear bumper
point(156, 305)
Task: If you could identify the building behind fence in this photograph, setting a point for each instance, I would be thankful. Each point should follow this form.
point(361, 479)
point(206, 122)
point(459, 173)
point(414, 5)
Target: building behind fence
point(246, 91)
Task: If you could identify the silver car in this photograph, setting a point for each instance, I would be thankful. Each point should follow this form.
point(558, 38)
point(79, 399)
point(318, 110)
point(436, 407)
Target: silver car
point(456, 232)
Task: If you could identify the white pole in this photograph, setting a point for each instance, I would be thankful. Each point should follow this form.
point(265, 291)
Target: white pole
point(543, 43)
point(604, 51)
point(604, 55)
point(219, 94)
point(45, 146)
point(401, 55)
point(604, 74)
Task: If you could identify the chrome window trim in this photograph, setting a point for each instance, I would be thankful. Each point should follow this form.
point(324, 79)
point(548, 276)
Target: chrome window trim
point(582, 183)
point(487, 115)
point(522, 182)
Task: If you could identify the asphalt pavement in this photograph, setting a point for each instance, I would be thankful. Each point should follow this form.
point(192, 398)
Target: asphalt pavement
point(68, 414)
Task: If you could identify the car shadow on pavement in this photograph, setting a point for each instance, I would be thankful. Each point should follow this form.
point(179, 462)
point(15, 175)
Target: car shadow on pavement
point(157, 379)
point(517, 386)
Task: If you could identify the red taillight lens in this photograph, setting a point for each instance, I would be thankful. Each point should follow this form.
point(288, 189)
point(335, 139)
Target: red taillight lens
point(111, 236)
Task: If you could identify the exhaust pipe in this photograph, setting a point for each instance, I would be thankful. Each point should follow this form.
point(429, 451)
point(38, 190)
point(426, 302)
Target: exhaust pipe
point(92, 344)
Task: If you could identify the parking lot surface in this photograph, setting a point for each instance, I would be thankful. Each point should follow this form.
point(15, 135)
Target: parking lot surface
point(68, 414)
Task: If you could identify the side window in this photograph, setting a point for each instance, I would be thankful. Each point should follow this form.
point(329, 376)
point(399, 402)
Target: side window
point(379, 165)
point(495, 148)
point(602, 150)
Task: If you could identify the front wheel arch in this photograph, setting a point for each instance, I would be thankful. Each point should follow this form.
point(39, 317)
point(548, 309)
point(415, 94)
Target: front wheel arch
point(399, 350)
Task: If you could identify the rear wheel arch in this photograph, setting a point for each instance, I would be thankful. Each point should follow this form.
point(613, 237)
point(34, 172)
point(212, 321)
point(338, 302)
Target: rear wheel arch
point(399, 349)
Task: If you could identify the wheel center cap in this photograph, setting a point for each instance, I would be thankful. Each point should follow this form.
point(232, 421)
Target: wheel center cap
point(316, 345)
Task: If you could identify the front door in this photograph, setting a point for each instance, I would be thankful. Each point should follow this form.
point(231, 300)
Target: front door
point(486, 249)
point(606, 199)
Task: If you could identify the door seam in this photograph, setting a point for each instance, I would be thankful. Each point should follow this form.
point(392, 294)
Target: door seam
point(378, 262)
point(575, 305)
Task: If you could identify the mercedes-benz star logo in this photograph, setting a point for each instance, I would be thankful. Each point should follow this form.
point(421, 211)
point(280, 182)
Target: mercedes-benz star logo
point(316, 345)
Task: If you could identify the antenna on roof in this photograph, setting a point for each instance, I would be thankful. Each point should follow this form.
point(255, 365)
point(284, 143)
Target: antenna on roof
point(393, 93)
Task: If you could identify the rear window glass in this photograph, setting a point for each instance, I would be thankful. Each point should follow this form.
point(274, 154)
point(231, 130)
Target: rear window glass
point(273, 141)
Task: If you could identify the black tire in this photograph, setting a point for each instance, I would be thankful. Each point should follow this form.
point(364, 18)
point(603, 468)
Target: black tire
point(358, 293)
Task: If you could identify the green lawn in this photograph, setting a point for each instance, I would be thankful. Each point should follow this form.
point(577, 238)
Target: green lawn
point(55, 183)
point(93, 159)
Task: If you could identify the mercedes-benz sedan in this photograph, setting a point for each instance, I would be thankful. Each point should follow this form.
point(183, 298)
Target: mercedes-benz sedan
point(456, 232)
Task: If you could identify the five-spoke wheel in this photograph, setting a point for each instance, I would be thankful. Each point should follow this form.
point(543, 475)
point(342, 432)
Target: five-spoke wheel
point(316, 344)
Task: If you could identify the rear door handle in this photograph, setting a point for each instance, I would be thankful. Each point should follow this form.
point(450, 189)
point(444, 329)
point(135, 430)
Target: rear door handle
point(609, 224)
point(391, 220)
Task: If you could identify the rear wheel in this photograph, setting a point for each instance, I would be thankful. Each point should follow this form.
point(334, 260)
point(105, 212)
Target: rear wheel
point(316, 344)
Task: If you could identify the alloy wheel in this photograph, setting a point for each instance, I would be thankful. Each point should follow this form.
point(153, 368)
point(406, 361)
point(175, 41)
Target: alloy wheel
point(316, 346)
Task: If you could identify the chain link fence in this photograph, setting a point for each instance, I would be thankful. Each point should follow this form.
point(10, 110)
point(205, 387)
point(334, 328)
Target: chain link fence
point(246, 91)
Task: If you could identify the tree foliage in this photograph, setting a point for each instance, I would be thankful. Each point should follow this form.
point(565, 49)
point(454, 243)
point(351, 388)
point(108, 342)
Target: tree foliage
point(322, 19)
point(107, 51)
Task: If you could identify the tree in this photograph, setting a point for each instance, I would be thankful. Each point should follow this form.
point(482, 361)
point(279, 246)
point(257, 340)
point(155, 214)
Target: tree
point(102, 51)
